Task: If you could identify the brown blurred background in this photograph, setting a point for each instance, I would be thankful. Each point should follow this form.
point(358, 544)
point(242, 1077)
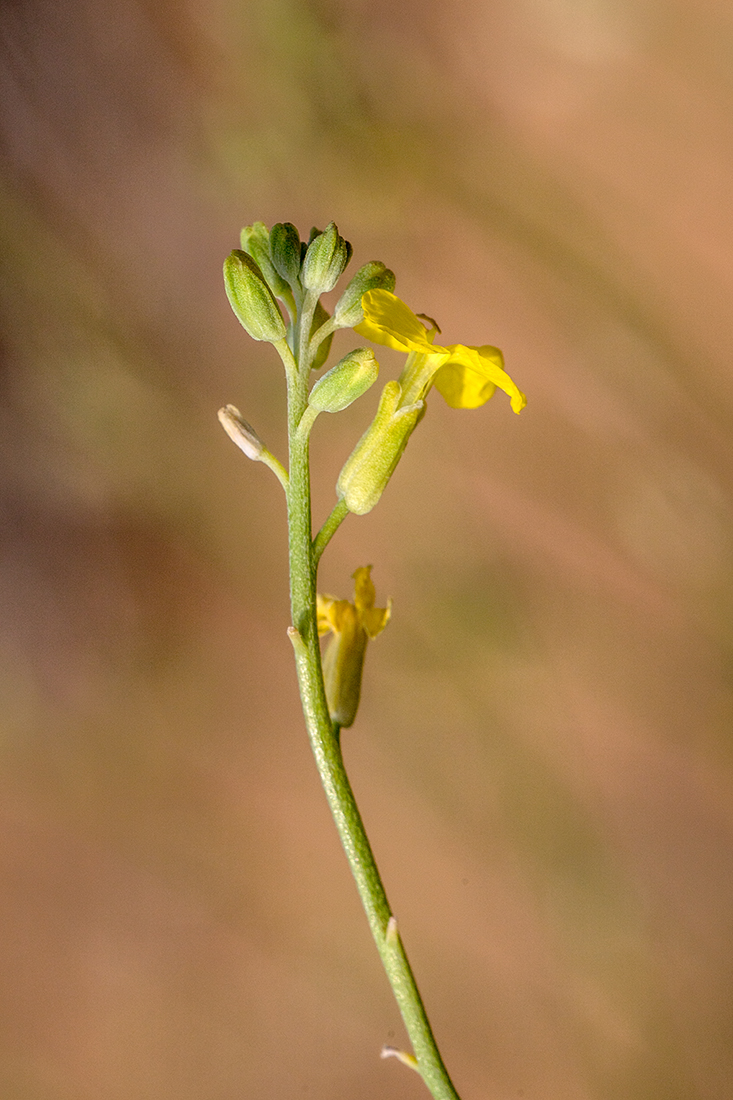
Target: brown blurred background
point(543, 754)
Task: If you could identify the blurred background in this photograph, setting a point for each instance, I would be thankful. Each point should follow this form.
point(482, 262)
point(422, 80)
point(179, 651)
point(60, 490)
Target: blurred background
point(543, 754)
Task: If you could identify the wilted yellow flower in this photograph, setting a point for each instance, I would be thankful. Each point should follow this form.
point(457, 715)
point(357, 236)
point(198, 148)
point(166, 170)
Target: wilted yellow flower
point(352, 624)
point(466, 376)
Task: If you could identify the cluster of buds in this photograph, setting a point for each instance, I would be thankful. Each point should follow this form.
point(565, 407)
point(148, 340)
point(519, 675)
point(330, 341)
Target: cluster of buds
point(275, 267)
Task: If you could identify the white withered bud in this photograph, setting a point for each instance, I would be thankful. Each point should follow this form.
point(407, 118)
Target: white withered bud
point(240, 432)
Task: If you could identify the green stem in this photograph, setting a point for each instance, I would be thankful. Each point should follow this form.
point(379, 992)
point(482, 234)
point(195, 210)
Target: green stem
point(324, 735)
point(307, 421)
point(276, 466)
point(329, 529)
point(320, 335)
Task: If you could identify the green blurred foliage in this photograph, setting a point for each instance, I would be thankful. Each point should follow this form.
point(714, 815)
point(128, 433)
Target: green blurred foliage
point(544, 750)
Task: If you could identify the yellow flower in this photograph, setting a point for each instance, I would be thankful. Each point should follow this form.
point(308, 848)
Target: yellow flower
point(465, 376)
point(352, 624)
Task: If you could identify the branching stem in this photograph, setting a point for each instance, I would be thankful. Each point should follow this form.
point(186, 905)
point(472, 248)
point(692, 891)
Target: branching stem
point(329, 529)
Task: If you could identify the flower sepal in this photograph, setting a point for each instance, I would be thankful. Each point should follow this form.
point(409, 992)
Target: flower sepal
point(371, 464)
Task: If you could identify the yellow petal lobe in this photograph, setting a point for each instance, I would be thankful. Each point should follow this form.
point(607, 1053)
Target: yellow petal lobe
point(374, 619)
point(364, 590)
point(469, 376)
point(323, 614)
point(387, 320)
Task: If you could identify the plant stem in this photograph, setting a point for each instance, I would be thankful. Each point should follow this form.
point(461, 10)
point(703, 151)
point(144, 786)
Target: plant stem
point(326, 533)
point(276, 466)
point(324, 734)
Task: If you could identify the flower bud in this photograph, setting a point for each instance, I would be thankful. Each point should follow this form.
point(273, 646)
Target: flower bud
point(349, 379)
point(326, 258)
point(285, 251)
point(251, 298)
point(240, 432)
point(372, 462)
point(372, 276)
point(256, 243)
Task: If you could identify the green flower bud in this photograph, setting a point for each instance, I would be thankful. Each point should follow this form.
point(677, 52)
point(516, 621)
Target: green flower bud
point(325, 261)
point(349, 379)
point(285, 251)
point(372, 276)
point(320, 316)
point(256, 243)
point(372, 462)
point(251, 298)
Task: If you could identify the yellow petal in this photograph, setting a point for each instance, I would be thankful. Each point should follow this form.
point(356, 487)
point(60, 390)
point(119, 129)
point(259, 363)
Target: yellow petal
point(470, 375)
point(374, 619)
point(467, 377)
point(364, 590)
point(387, 320)
point(323, 614)
point(343, 615)
point(330, 614)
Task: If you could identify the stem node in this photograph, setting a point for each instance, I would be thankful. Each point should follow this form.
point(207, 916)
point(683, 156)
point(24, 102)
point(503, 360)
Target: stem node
point(402, 1055)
